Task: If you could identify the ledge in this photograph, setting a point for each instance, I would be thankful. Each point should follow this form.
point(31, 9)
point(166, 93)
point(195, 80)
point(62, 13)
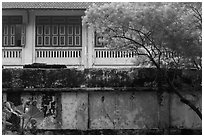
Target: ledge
point(106, 89)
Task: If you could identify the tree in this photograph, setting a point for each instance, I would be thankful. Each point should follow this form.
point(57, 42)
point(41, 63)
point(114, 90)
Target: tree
point(29, 114)
point(168, 35)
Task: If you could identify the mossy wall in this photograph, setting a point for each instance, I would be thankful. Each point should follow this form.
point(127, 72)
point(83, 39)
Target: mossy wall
point(69, 78)
point(104, 98)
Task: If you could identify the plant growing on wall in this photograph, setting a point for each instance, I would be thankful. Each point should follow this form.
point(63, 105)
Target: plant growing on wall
point(165, 35)
point(28, 114)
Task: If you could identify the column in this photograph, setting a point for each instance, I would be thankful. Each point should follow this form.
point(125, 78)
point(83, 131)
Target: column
point(29, 49)
point(90, 50)
point(84, 46)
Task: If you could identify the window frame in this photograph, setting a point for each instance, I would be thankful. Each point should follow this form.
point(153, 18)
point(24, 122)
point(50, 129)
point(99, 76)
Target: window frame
point(63, 23)
point(96, 41)
point(12, 23)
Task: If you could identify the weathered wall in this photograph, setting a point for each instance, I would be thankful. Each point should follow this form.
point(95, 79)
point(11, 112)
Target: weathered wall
point(114, 110)
point(126, 110)
point(98, 99)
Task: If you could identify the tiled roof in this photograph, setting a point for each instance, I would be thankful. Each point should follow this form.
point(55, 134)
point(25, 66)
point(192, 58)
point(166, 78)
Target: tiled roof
point(48, 5)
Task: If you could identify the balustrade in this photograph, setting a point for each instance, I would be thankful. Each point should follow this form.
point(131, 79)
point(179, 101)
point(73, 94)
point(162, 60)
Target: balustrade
point(106, 57)
point(12, 56)
point(59, 56)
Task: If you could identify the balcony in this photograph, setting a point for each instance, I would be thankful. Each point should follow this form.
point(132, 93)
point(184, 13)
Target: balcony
point(69, 56)
point(12, 56)
point(107, 57)
point(63, 56)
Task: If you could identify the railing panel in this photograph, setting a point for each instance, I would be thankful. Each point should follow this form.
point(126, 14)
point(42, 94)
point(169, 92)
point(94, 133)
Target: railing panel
point(11, 56)
point(59, 56)
point(106, 57)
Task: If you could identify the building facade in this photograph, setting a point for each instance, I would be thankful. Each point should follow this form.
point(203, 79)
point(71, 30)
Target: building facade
point(53, 33)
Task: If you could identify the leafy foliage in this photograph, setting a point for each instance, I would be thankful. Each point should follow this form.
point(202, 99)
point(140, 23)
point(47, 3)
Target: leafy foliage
point(29, 114)
point(167, 34)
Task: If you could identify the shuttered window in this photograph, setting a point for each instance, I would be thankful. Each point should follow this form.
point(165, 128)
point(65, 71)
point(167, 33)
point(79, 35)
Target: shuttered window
point(98, 42)
point(13, 31)
point(58, 31)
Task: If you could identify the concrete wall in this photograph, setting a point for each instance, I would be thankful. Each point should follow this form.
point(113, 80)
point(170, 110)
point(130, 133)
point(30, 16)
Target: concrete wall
point(114, 110)
point(79, 100)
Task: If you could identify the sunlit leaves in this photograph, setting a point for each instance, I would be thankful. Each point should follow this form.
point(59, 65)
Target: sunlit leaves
point(157, 28)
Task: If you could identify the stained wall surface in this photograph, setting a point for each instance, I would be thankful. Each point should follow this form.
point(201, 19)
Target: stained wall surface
point(100, 99)
point(114, 110)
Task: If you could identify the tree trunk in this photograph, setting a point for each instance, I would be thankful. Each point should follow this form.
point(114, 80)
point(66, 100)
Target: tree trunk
point(185, 101)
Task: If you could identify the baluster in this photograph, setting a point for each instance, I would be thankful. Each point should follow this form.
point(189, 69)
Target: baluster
point(74, 53)
point(57, 55)
point(14, 55)
point(126, 54)
point(52, 54)
point(49, 52)
point(38, 53)
point(19, 54)
point(99, 54)
point(71, 55)
point(63, 54)
point(43, 53)
point(66, 53)
point(96, 53)
point(77, 54)
point(60, 54)
point(105, 53)
point(11, 54)
point(80, 53)
point(129, 54)
point(8, 54)
point(113, 54)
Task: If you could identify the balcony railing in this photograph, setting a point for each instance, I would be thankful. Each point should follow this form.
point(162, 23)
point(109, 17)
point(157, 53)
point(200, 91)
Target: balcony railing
point(107, 57)
point(12, 56)
point(58, 56)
